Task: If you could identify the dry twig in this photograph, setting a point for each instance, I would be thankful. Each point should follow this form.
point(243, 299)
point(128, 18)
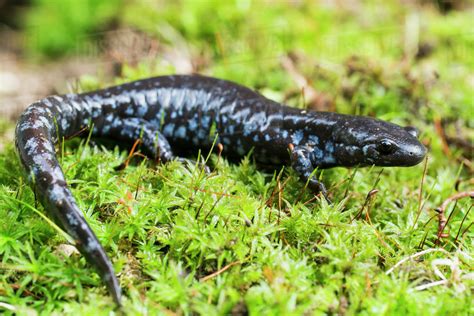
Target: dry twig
point(442, 220)
point(214, 274)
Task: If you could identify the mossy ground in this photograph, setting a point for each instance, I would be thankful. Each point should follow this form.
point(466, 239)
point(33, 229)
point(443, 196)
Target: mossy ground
point(242, 239)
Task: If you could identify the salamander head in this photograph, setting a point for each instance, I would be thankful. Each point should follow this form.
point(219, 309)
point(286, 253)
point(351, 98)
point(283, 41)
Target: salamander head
point(373, 142)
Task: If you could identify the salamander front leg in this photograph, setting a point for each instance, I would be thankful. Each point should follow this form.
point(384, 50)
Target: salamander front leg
point(301, 162)
point(153, 142)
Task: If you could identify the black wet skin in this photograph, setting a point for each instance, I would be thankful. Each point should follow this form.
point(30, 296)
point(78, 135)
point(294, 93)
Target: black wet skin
point(172, 113)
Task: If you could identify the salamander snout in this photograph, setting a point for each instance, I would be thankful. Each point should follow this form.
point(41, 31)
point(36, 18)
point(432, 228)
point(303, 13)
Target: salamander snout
point(411, 149)
point(413, 153)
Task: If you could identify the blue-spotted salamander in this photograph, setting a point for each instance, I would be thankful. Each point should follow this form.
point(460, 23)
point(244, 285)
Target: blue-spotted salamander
point(170, 113)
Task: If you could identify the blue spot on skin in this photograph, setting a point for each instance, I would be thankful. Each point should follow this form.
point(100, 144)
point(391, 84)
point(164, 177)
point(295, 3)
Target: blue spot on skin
point(231, 129)
point(267, 137)
point(297, 137)
point(244, 113)
point(247, 131)
point(329, 147)
point(284, 134)
point(168, 130)
point(154, 122)
point(192, 125)
point(365, 150)
point(255, 138)
point(318, 153)
point(151, 97)
point(164, 97)
point(313, 139)
point(202, 133)
point(181, 132)
point(205, 121)
point(141, 111)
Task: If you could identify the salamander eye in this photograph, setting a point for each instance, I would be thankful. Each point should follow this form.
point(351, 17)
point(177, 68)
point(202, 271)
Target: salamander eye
point(386, 147)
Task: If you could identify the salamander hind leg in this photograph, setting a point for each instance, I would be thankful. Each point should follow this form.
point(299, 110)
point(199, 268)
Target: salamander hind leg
point(301, 163)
